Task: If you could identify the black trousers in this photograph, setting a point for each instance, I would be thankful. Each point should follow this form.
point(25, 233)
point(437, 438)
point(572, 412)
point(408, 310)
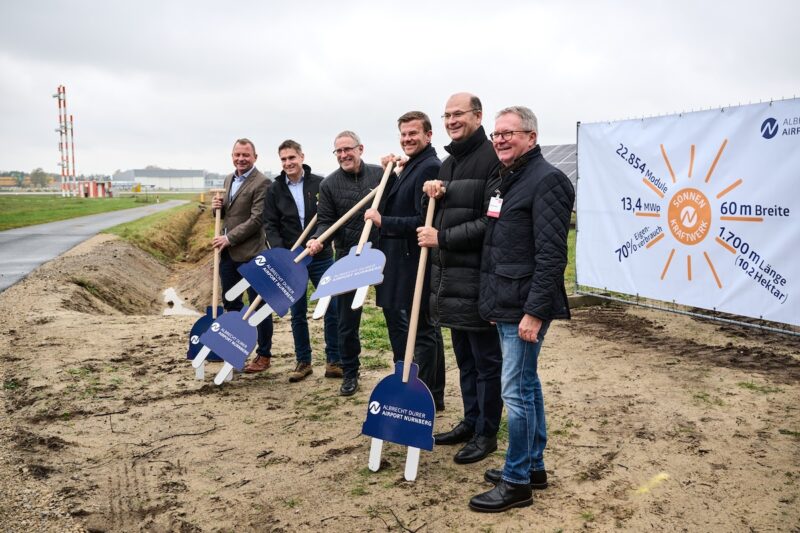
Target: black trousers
point(349, 340)
point(229, 277)
point(428, 348)
point(480, 364)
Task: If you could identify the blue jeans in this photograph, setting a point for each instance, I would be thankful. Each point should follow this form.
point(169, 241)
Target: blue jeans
point(522, 395)
point(302, 342)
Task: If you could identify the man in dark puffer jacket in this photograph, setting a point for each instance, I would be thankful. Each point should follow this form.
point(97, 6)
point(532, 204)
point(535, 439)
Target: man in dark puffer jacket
point(340, 191)
point(522, 290)
point(463, 191)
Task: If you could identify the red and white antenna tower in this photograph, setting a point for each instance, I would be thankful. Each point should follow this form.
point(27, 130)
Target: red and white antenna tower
point(62, 139)
point(66, 142)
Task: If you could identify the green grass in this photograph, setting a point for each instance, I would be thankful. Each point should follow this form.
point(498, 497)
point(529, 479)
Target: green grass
point(374, 335)
point(763, 389)
point(156, 233)
point(26, 210)
point(569, 273)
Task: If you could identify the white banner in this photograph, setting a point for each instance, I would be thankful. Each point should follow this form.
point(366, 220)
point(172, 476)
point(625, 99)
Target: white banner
point(699, 209)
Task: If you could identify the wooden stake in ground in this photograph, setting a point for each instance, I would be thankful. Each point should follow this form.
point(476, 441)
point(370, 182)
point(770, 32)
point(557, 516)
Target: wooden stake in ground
point(359, 269)
point(401, 408)
point(205, 321)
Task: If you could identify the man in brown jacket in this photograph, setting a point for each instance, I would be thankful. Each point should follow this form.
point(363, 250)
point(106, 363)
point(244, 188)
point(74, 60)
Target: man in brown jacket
point(243, 235)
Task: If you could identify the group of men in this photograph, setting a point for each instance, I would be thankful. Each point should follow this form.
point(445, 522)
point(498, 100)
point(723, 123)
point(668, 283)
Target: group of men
point(496, 279)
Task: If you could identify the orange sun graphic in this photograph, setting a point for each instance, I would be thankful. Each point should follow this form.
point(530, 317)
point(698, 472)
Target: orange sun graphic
point(690, 214)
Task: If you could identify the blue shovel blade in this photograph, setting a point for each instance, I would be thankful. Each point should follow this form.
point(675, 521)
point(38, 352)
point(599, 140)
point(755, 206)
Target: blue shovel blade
point(275, 276)
point(231, 338)
point(351, 272)
point(399, 412)
point(200, 327)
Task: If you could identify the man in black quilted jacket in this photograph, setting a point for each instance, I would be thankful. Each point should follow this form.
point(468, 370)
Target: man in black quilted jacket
point(522, 290)
point(462, 193)
point(338, 192)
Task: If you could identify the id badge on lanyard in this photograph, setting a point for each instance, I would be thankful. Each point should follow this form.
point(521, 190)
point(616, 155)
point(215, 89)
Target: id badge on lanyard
point(495, 204)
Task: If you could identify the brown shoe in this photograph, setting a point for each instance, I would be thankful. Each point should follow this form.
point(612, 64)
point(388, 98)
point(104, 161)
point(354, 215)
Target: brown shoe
point(300, 372)
point(333, 370)
point(259, 364)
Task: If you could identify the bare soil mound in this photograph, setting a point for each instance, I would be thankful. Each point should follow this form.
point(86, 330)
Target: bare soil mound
point(656, 422)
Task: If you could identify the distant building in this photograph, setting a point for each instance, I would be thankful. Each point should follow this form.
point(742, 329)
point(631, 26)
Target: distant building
point(164, 179)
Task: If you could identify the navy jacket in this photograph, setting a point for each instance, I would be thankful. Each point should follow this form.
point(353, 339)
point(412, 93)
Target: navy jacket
point(401, 215)
point(525, 249)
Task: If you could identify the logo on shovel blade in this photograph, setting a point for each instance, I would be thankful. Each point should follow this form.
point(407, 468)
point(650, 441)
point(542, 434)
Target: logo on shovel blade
point(195, 339)
point(325, 280)
point(215, 326)
point(374, 408)
point(261, 260)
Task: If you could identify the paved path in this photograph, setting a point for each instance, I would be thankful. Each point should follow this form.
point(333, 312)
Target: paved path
point(23, 249)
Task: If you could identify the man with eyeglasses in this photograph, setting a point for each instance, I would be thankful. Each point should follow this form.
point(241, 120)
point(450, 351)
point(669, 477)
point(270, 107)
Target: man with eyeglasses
point(339, 192)
point(522, 290)
point(291, 203)
point(463, 189)
point(400, 215)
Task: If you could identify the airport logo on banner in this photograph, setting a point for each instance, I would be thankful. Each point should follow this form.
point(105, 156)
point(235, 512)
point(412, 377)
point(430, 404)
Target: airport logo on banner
point(688, 209)
point(787, 126)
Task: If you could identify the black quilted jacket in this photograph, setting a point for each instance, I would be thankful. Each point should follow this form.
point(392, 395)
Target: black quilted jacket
point(525, 249)
point(337, 194)
point(461, 221)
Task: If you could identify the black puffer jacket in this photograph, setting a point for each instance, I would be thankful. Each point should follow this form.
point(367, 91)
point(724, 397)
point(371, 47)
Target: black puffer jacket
point(525, 249)
point(461, 221)
point(337, 194)
point(281, 218)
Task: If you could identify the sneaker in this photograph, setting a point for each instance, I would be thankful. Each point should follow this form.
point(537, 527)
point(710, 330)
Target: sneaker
point(333, 370)
point(300, 372)
point(259, 364)
point(349, 387)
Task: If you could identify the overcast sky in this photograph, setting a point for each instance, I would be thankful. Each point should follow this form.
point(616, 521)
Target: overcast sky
point(174, 83)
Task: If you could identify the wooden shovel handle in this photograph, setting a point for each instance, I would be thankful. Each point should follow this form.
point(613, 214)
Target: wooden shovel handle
point(305, 233)
point(338, 224)
point(375, 203)
point(252, 307)
point(414, 318)
point(215, 280)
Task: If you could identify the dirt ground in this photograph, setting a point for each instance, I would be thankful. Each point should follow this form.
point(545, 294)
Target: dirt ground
point(657, 422)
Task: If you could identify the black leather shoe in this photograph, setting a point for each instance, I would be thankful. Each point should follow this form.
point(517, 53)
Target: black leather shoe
point(461, 433)
point(538, 478)
point(476, 450)
point(502, 497)
point(349, 387)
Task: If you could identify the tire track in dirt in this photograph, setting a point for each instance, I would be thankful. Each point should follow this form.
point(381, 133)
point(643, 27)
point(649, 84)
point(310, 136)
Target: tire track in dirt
point(615, 323)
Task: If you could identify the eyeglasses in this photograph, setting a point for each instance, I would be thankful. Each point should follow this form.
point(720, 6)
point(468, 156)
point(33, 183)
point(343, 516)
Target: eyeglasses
point(344, 150)
point(458, 114)
point(506, 135)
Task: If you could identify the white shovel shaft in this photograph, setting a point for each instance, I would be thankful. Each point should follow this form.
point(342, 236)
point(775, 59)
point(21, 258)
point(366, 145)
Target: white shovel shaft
point(375, 449)
point(200, 358)
point(412, 463)
point(358, 299)
point(322, 306)
point(222, 375)
point(237, 290)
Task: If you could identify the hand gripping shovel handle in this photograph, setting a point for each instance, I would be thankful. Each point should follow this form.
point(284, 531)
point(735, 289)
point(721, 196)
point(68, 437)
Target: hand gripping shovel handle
point(375, 203)
point(414, 319)
point(339, 223)
point(215, 280)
